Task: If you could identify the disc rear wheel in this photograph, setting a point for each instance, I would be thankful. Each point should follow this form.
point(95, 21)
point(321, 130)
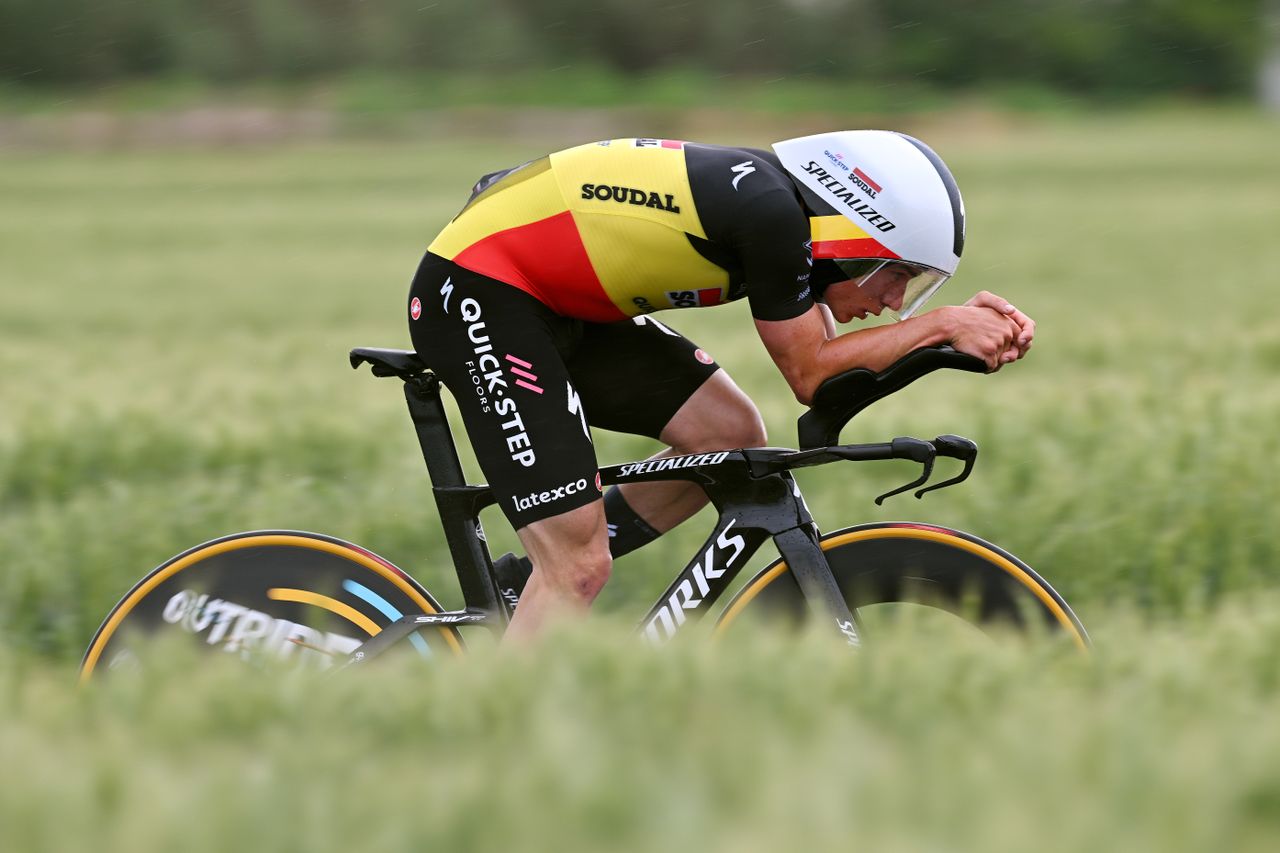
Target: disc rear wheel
point(293, 597)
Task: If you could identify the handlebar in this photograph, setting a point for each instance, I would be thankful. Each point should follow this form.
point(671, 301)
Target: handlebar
point(846, 394)
point(765, 461)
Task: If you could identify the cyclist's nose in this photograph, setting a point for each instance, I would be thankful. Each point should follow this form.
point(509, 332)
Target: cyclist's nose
point(893, 298)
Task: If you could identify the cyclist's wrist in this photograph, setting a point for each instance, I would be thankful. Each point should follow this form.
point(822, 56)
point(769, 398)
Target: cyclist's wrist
point(943, 324)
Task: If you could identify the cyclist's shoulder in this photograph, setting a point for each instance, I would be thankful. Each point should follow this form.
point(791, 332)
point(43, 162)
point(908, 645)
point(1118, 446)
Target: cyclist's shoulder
point(753, 171)
point(743, 193)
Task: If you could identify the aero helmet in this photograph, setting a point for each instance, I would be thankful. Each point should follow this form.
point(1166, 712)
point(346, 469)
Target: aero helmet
point(879, 197)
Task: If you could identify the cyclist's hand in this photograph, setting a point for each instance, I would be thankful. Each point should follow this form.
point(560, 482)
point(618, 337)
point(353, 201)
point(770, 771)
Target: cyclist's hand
point(1026, 326)
point(985, 333)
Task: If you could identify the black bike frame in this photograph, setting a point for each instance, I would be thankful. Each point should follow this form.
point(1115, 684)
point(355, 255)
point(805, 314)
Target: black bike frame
point(752, 489)
point(754, 503)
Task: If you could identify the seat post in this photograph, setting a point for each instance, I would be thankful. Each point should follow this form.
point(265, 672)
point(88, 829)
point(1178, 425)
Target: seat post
point(422, 393)
point(458, 517)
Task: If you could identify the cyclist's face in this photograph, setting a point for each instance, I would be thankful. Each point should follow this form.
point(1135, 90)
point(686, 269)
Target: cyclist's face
point(882, 289)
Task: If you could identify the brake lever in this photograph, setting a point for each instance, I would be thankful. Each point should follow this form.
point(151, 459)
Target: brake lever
point(917, 450)
point(954, 447)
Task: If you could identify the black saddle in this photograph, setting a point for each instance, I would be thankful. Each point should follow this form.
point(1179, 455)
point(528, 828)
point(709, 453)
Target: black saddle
point(388, 362)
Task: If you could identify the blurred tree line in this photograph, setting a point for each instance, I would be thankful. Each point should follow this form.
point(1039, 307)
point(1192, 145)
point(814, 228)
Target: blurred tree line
point(1084, 46)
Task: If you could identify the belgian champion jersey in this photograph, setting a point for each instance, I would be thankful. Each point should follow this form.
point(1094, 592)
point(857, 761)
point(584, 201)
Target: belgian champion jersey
point(614, 229)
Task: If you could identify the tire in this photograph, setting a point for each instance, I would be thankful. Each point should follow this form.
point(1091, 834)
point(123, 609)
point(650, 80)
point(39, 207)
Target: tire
point(918, 564)
point(300, 598)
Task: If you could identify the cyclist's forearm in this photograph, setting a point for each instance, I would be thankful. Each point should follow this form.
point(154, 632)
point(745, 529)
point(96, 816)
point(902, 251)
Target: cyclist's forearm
point(807, 356)
point(877, 348)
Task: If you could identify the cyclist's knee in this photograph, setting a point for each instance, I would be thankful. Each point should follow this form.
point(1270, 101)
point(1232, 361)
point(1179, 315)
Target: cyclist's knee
point(745, 427)
point(588, 576)
point(719, 415)
point(571, 552)
point(574, 574)
point(737, 423)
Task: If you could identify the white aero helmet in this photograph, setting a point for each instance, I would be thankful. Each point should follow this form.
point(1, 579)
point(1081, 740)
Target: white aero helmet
point(879, 198)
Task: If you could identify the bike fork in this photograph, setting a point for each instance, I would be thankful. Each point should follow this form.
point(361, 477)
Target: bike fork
point(804, 556)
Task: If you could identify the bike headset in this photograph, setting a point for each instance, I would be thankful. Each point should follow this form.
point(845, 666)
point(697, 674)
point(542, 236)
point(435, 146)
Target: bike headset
point(878, 198)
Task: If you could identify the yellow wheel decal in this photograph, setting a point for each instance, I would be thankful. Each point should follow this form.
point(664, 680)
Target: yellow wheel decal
point(383, 569)
point(749, 593)
point(346, 611)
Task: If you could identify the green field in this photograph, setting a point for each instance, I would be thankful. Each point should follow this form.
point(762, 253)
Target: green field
point(173, 331)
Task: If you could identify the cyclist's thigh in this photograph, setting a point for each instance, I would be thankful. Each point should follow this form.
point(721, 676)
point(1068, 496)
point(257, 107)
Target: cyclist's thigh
point(498, 350)
point(635, 375)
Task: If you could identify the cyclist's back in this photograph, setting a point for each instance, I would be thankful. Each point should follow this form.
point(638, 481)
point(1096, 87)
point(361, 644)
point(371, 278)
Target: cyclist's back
point(624, 227)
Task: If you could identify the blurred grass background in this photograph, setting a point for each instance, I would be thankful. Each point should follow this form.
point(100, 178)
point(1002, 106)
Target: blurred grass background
point(201, 213)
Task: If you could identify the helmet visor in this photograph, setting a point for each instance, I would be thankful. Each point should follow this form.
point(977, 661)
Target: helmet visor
point(901, 287)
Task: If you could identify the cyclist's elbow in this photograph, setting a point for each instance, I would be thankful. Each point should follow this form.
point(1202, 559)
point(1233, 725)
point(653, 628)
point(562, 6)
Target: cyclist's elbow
point(804, 387)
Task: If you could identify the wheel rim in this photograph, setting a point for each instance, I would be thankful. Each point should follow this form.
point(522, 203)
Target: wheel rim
point(1020, 574)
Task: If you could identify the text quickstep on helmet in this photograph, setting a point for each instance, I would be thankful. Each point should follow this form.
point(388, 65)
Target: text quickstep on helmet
point(879, 197)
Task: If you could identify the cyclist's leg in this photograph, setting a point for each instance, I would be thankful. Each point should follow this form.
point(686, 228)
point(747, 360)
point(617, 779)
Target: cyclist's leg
point(499, 351)
point(717, 416)
point(571, 563)
point(643, 377)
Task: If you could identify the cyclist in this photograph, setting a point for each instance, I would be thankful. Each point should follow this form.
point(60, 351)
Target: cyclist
point(534, 308)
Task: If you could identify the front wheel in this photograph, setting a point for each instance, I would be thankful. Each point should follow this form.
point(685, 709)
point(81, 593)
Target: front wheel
point(899, 562)
point(297, 598)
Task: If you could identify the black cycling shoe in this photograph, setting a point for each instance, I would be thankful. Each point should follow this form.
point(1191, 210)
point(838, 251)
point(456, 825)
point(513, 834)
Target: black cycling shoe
point(512, 573)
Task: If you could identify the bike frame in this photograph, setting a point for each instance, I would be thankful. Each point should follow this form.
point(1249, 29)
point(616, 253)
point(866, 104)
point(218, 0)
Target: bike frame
point(755, 504)
point(753, 490)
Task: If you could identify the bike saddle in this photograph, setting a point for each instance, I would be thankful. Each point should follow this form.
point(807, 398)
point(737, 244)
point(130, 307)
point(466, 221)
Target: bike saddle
point(846, 394)
point(388, 362)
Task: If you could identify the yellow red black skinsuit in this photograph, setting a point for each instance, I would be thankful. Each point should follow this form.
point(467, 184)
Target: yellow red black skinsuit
point(522, 303)
point(614, 229)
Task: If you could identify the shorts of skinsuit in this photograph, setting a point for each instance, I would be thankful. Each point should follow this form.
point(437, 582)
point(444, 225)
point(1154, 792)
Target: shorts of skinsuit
point(529, 382)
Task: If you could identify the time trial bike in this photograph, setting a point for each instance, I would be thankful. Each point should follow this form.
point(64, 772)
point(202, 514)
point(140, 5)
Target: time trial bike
point(311, 599)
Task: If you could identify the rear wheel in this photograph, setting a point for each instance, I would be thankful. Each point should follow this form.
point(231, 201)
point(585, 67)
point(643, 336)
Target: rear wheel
point(903, 563)
point(293, 597)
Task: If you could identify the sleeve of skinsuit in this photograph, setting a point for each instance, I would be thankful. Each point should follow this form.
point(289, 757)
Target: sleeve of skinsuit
point(755, 227)
point(772, 239)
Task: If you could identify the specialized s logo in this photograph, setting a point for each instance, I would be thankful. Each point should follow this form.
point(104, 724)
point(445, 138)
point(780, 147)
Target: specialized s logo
point(446, 290)
point(741, 171)
point(415, 308)
point(657, 324)
point(575, 408)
